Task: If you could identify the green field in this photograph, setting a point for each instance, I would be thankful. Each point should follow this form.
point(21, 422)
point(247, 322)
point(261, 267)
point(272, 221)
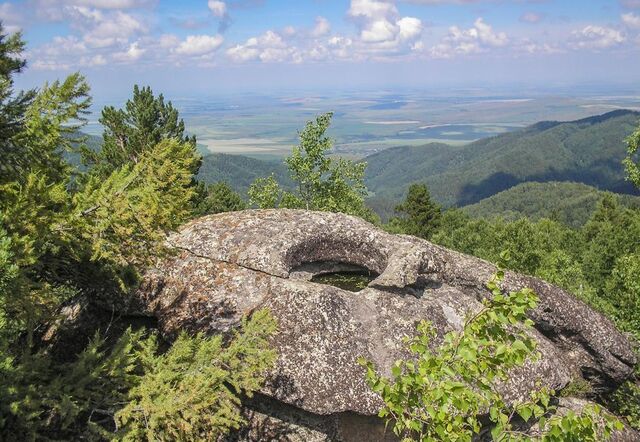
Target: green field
point(368, 122)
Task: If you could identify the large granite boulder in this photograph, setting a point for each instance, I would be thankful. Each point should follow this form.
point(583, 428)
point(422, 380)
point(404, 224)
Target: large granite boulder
point(228, 265)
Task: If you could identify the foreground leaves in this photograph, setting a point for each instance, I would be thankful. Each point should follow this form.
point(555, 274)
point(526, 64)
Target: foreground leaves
point(192, 392)
point(440, 393)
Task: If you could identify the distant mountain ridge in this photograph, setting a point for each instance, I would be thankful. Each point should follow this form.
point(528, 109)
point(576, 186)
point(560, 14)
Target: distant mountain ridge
point(589, 151)
point(240, 171)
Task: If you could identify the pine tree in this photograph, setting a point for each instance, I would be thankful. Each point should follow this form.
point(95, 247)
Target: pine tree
point(418, 214)
point(217, 198)
point(12, 107)
point(67, 235)
point(144, 122)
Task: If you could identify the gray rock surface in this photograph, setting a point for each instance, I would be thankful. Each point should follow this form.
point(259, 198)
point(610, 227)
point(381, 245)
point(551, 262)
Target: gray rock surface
point(228, 265)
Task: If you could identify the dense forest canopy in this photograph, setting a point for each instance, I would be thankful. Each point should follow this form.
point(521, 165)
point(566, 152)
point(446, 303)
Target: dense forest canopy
point(79, 223)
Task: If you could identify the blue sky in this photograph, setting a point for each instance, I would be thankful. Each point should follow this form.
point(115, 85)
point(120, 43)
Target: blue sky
point(211, 46)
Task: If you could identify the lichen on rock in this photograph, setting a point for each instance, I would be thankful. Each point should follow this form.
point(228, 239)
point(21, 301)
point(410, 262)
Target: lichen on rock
point(229, 264)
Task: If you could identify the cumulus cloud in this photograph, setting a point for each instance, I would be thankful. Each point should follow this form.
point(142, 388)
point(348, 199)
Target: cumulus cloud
point(195, 45)
point(112, 4)
point(596, 37)
point(218, 8)
point(58, 10)
point(476, 39)
point(106, 30)
point(12, 19)
point(631, 20)
point(381, 26)
point(96, 60)
point(268, 47)
point(133, 53)
point(527, 46)
point(322, 27)
point(64, 53)
point(444, 2)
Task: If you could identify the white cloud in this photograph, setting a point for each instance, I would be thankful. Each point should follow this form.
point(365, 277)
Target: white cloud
point(372, 9)
point(631, 20)
point(58, 10)
point(96, 60)
point(168, 41)
point(111, 4)
point(596, 37)
point(379, 31)
point(64, 53)
point(62, 46)
point(243, 52)
point(340, 46)
point(444, 2)
point(108, 30)
point(321, 28)
point(528, 46)
point(476, 39)
point(268, 47)
point(410, 28)
point(133, 53)
point(195, 45)
point(381, 27)
point(487, 36)
point(11, 18)
point(218, 8)
point(50, 65)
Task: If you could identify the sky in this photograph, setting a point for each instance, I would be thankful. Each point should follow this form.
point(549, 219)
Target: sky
point(195, 47)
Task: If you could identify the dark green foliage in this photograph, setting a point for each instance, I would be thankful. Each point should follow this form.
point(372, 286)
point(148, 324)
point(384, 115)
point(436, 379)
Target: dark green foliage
point(12, 108)
point(598, 263)
point(144, 122)
point(589, 151)
point(418, 214)
point(241, 171)
point(131, 391)
point(632, 160)
point(440, 393)
point(320, 182)
point(192, 392)
point(217, 198)
point(42, 400)
point(71, 233)
point(594, 262)
point(571, 204)
point(626, 402)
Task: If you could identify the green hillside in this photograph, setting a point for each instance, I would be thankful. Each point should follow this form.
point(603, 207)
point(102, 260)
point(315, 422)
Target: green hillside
point(93, 142)
point(570, 203)
point(240, 171)
point(589, 151)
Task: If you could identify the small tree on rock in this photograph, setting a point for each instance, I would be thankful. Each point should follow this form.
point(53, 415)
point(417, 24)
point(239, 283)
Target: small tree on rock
point(322, 182)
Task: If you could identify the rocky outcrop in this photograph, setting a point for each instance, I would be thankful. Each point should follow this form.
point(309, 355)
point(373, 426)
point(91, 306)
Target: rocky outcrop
point(228, 265)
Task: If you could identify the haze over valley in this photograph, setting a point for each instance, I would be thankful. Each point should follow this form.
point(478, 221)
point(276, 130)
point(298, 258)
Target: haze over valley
point(368, 121)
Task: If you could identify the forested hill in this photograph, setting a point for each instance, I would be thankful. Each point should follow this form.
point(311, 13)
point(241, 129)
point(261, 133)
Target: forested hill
point(589, 151)
point(570, 203)
point(240, 171)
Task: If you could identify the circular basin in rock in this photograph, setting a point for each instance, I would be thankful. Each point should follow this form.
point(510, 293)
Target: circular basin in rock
point(228, 265)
